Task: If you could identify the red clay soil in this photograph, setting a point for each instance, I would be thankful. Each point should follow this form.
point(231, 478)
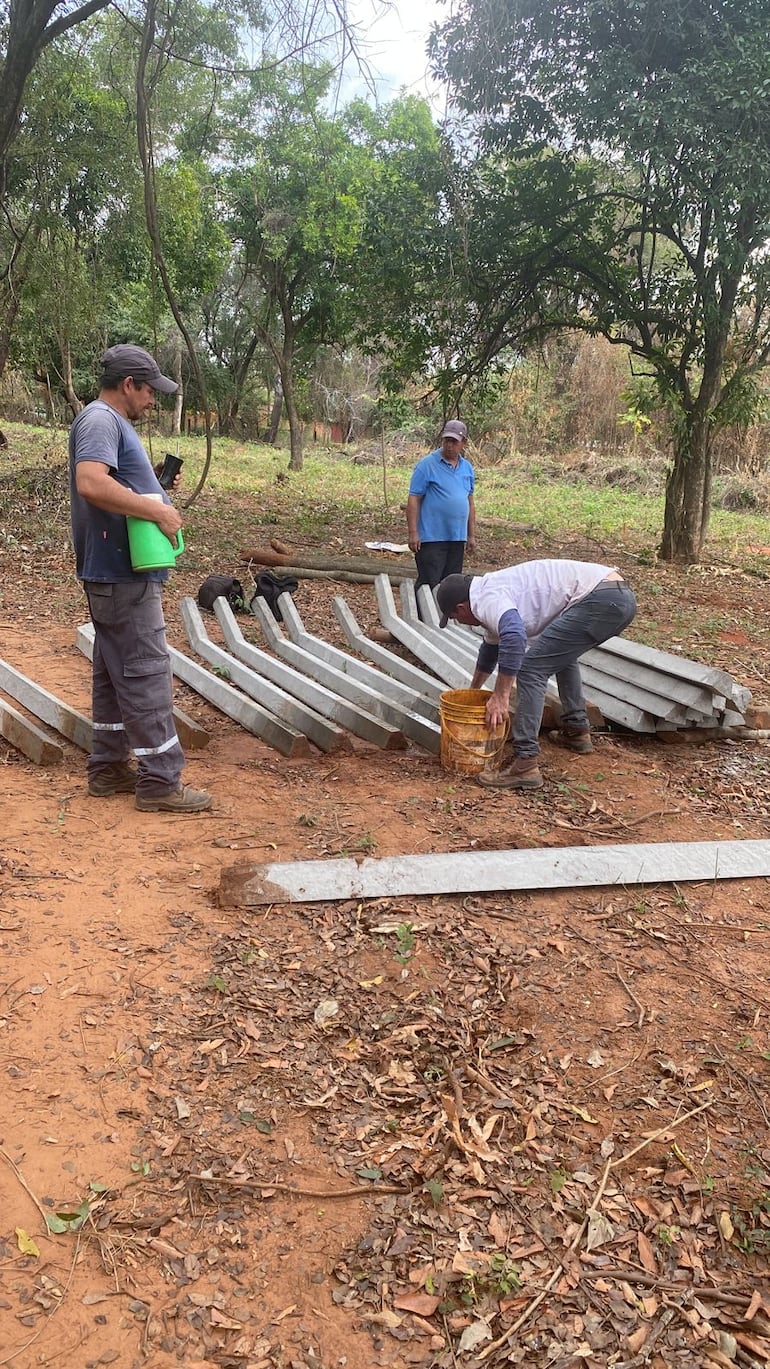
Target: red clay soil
point(500, 1129)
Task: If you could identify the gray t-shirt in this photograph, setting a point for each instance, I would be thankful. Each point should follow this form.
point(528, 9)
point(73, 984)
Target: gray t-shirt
point(100, 433)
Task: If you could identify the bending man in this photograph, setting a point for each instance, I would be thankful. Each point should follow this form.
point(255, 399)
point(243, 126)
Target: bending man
point(539, 616)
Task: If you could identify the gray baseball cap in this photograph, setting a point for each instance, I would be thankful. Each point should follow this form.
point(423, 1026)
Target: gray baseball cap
point(128, 360)
point(456, 429)
point(453, 590)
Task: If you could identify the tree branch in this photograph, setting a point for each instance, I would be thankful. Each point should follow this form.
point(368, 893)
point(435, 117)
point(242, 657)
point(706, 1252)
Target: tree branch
point(68, 21)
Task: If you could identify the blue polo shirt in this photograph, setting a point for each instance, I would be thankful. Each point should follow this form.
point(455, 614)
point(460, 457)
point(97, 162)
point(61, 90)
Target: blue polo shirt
point(444, 490)
point(100, 539)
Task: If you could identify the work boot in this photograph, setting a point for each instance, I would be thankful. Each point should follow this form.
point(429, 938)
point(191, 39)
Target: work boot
point(575, 739)
point(112, 779)
point(523, 774)
point(184, 799)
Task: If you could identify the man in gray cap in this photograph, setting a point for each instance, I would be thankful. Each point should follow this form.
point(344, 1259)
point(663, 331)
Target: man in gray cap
point(440, 513)
point(111, 477)
point(539, 617)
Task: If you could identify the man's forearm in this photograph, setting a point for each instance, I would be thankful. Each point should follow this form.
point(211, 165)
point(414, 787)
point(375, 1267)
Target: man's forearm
point(412, 518)
point(93, 482)
point(502, 689)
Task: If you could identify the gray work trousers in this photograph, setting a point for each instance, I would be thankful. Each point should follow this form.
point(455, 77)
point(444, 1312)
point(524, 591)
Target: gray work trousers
point(603, 613)
point(132, 696)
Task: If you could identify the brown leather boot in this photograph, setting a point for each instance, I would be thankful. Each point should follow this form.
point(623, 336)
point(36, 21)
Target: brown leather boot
point(579, 741)
point(523, 774)
point(119, 778)
point(184, 799)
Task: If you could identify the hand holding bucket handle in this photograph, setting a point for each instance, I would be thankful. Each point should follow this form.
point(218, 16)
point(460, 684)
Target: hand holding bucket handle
point(169, 522)
point(150, 547)
point(166, 515)
point(467, 741)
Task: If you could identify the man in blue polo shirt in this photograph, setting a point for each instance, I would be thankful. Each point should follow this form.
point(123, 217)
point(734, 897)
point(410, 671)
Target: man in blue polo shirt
point(440, 513)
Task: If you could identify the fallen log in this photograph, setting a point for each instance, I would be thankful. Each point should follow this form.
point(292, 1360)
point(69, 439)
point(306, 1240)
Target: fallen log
point(364, 565)
point(354, 577)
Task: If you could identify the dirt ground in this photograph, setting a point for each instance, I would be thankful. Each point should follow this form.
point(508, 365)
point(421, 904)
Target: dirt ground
point(524, 1129)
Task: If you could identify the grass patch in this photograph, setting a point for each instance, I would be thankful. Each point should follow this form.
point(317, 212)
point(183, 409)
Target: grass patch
point(336, 499)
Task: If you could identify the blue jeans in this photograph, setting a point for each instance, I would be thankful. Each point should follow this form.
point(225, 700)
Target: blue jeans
point(603, 613)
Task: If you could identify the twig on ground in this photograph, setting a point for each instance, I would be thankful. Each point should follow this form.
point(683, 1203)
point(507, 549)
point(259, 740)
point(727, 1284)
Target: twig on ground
point(491, 1088)
point(539, 1297)
point(631, 1275)
point(49, 1318)
point(649, 1345)
point(458, 1093)
point(744, 1358)
point(627, 823)
point(656, 1135)
point(258, 1186)
point(497, 913)
point(27, 1190)
point(611, 1164)
point(449, 1339)
point(633, 997)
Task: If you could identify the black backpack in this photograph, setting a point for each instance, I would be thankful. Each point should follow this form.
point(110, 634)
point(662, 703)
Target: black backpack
point(270, 586)
point(224, 587)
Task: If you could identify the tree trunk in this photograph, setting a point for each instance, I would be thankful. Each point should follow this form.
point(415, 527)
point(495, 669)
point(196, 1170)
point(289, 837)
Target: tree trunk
point(286, 364)
point(295, 422)
point(360, 565)
point(11, 309)
point(232, 404)
point(73, 399)
point(176, 421)
point(275, 413)
point(146, 157)
point(46, 380)
point(14, 271)
point(688, 493)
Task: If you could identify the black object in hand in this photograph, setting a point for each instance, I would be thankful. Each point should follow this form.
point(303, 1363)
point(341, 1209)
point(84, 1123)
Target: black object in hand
point(169, 471)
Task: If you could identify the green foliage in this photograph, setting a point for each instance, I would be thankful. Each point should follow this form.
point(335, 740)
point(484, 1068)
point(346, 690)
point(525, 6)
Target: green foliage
point(60, 1222)
point(402, 273)
point(68, 201)
point(618, 185)
point(500, 1278)
point(436, 1191)
point(406, 942)
point(195, 244)
point(295, 192)
point(668, 1235)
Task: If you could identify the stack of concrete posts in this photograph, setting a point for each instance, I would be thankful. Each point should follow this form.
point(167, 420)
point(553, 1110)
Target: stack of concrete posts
point(299, 688)
point(638, 687)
